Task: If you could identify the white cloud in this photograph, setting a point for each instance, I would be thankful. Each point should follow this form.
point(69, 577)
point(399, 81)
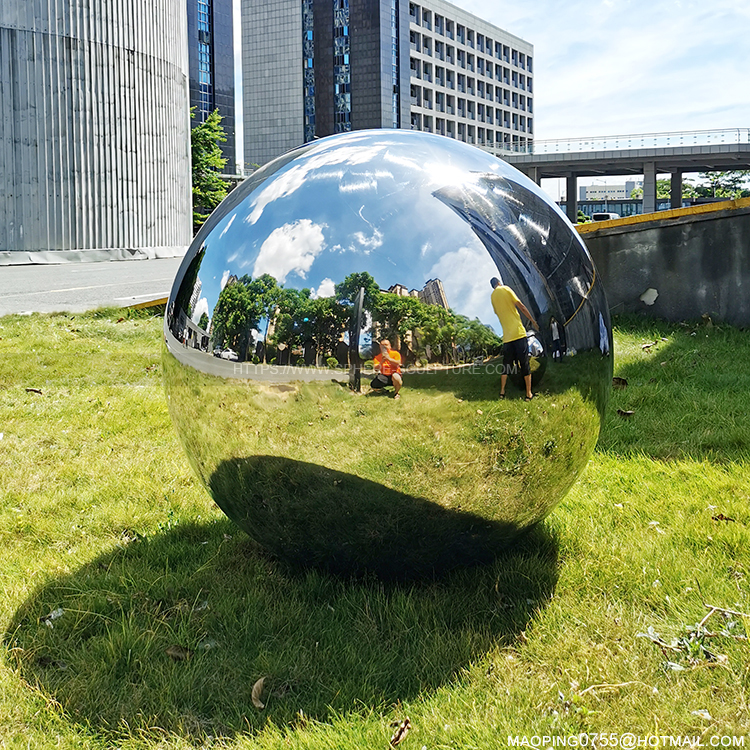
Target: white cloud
point(229, 224)
point(291, 248)
point(633, 66)
point(225, 277)
point(327, 288)
point(368, 244)
point(201, 306)
point(466, 275)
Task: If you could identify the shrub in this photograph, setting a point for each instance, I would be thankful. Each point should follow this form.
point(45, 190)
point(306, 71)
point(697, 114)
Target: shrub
point(332, 362)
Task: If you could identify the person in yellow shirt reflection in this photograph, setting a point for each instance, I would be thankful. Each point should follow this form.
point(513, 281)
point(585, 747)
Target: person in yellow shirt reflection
point(507, 306)
point(388, 367)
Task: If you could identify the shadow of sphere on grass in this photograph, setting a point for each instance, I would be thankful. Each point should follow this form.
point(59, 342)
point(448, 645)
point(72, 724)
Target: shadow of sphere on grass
point(325, 644)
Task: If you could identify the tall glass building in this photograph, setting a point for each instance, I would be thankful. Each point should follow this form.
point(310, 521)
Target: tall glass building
point(211, 53)
point(312, 68)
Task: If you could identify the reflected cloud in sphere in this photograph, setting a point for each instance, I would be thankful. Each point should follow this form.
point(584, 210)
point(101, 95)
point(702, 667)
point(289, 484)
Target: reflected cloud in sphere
point(271, 336)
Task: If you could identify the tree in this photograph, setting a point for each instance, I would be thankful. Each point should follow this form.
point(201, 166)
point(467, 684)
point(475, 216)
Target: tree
point(203, 322)
point(208, 188)
point(725, 184)
point(235, 315)
point(720, 185)
point(347, 290)
point(663, 190)
point(265, 294)
point(396, 315)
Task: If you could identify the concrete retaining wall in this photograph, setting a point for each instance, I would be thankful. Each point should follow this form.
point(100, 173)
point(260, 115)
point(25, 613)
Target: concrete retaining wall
point(696, 261)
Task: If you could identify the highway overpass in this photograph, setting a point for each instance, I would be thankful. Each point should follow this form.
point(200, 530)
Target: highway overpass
point(648, 155)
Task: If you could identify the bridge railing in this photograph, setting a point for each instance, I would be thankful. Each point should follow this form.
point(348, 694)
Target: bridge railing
point(628, 142)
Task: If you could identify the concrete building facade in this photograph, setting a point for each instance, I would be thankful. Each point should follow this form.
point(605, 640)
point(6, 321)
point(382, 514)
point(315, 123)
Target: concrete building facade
point(608, 192)
point(312, 68)
point(94, 132)
point(469, 79)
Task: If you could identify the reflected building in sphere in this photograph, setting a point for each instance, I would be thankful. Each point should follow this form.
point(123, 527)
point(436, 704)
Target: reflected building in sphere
point(312, 68)
point(94, 133)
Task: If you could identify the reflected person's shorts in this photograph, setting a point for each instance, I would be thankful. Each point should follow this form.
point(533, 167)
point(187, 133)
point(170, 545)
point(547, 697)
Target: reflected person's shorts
point(381, 381)
point(516, 352)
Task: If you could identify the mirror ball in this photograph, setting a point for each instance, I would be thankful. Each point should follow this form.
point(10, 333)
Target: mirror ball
point(336, 367)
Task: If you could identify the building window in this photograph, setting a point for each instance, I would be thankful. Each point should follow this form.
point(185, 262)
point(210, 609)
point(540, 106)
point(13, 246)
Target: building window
point(308, 69)
point(395, 66)
point(342, 71)
point(205, 59)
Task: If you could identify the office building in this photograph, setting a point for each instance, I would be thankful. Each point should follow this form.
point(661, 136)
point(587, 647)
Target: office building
point(312, 68)
point(608, 192)
point(94, 137)
point(211, 57)
point(434, 294)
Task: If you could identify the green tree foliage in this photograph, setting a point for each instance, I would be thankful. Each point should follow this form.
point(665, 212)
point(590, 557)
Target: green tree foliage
point(182, 300)
point(725, 184)
point(348, 289)
point(208, 188)
point(299, 319)
point(717, 185)
point(396, 315)
point(203, 322)
point(235, 315)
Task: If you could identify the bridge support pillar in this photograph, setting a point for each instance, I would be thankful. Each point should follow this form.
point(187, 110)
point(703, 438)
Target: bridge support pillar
point(534, 173)
point(649, 187)
point(571, 197)
point(675, 190)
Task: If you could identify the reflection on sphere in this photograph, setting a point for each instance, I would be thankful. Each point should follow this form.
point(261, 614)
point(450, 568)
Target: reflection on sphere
point(286, 411)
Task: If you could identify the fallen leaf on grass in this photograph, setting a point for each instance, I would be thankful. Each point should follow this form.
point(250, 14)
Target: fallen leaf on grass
point(256, 693)
point(625, 414)
point(34, 390)
point(178, 653)
point(702, 713)
point(619, 382)
point(402, 730)
point(721, 517)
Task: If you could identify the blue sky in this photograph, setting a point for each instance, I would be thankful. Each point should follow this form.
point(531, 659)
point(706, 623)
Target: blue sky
point(632, 66)
point(615, 67)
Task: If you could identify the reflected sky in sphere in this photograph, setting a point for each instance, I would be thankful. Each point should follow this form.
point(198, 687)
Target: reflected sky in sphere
point(386, 202)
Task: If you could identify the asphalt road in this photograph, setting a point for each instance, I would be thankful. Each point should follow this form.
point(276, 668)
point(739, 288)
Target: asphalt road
point(278, 374)
point(76, 287)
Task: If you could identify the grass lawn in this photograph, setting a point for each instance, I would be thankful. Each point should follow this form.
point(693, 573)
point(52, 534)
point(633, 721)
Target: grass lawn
point(135, 615)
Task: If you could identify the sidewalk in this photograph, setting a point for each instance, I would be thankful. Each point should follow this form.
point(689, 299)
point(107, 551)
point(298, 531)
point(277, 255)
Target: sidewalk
point(76, 287)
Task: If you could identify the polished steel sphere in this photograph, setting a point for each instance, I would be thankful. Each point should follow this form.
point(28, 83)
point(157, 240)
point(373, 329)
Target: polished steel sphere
point(331, 448)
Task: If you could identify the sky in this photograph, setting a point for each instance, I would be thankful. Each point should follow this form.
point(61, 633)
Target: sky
point(618, 67)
